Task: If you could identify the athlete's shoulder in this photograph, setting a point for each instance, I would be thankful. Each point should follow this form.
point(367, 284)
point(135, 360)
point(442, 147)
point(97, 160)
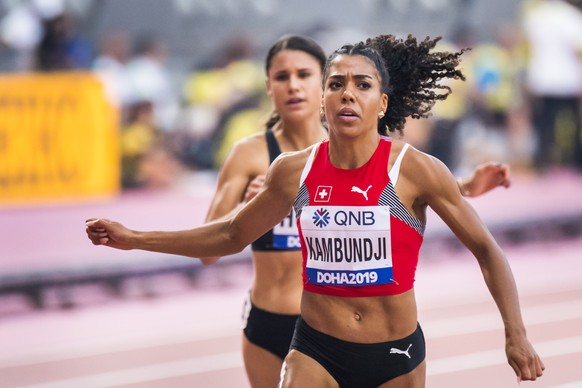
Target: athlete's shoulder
point(414, 159)
point(287, 168)
point(423, 171)
point(249, 149)
point(293, 158)
point(251, 142)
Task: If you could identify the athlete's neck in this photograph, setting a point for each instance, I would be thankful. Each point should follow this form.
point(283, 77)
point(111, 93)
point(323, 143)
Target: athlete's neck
point(350, 153)
point(298, 136)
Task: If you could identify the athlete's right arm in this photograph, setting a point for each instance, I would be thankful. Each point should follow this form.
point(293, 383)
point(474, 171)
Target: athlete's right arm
point(247, 158)
point(485, 178)
point(220, 237)
point(435, 186)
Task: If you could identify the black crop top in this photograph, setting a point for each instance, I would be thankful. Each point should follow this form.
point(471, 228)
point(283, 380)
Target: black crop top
point(284, 236)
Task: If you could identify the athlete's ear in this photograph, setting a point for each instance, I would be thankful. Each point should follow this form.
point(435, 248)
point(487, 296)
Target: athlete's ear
point(384, 103)
point(268, 86)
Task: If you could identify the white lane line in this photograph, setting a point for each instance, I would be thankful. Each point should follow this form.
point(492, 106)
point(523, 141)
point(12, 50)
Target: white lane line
point(114, 344)
point(572, 384)
point(149, 373)
point(497, 357)
point(432, 328)
point(491, 321)
point(429, 302)
point(231, 360)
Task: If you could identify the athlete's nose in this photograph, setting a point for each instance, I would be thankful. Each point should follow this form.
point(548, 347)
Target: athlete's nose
point(347, 95)
point(293, 83)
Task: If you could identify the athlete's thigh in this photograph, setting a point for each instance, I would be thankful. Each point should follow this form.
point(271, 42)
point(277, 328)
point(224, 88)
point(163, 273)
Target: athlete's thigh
point(413, 379)
point(262, 366)
point(301, 371)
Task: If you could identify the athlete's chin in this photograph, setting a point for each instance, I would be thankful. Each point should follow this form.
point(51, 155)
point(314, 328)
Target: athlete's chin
point(297, 113)
point(348, 131)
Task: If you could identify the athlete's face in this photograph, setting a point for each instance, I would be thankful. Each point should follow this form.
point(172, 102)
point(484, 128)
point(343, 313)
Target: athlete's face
point(294, 84)
point(353, 96)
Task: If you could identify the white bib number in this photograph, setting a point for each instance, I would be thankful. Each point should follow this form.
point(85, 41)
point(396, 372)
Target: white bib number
point(285, 234)
point(347, 245)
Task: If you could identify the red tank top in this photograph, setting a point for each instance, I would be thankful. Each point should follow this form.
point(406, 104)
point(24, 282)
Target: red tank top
point(357, 237)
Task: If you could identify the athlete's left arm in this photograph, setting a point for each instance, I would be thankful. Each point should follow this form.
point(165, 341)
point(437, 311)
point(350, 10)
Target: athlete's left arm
point(437, 188)
point(484, 178)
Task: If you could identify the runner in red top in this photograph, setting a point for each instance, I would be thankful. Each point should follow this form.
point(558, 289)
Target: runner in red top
point(358, 239)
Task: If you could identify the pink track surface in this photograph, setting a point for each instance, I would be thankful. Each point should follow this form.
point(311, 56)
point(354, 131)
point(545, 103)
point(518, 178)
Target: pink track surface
point(189, 336)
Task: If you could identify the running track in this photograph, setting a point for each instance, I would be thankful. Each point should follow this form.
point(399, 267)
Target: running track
point(190, 336)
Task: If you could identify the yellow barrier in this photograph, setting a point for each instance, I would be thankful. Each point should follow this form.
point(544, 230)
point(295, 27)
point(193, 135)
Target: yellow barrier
point(58, 138)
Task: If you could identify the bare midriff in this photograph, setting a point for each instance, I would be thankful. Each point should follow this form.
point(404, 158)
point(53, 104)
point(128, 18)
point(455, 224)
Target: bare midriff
point(277, 283)
point(362, 320)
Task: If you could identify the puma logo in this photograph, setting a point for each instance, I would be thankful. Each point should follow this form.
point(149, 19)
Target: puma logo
point(356, 189)
point(398, 351)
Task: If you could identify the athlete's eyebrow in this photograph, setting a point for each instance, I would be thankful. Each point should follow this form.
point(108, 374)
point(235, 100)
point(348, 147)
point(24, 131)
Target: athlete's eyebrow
point(282, 71)
point(287, 71)
point(356, 76)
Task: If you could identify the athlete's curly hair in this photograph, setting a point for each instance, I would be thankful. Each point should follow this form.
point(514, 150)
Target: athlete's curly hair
point(410, 74)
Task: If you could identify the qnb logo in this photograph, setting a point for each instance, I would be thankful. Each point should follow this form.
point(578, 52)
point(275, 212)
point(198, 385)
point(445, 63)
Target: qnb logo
point(349, 218)
point(356, 189)
point(321, 218)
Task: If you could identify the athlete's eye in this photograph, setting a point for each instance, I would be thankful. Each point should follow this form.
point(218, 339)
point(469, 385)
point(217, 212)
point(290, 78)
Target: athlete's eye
point(304, 74)
point(282, 77)
point(334, 85)
point(364, 85)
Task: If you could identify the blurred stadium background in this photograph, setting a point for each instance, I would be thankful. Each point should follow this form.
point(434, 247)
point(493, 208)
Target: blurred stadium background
point(126, 109)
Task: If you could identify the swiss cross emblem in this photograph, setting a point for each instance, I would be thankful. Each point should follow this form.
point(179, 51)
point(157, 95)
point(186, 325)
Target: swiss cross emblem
point(322, 194)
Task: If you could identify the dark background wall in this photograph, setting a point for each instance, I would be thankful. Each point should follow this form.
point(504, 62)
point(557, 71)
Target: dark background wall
point(197, 29)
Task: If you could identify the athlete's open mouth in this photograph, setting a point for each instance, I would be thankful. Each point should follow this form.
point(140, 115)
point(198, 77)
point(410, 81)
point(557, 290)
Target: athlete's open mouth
point(348, 112)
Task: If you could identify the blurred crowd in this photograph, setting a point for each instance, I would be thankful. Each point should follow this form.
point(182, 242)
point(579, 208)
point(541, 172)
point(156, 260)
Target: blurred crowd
point(520, 103)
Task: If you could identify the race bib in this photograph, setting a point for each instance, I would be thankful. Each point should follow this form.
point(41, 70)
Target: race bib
point(285, 235)
point(347, 245)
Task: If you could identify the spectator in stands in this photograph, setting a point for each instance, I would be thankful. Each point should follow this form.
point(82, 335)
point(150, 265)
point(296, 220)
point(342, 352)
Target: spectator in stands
point(149, 79)
point(146, 160)
point(110, 66)
point(495, 126)
point(20, 33)
point(443, 138)
point(62, 47)
point(553, 30)
point(225, 99)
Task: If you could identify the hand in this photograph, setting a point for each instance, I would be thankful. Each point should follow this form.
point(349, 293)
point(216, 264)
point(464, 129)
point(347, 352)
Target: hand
point(110, 233)
point(523, 359)
point(254, 187)
point(486, 177)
